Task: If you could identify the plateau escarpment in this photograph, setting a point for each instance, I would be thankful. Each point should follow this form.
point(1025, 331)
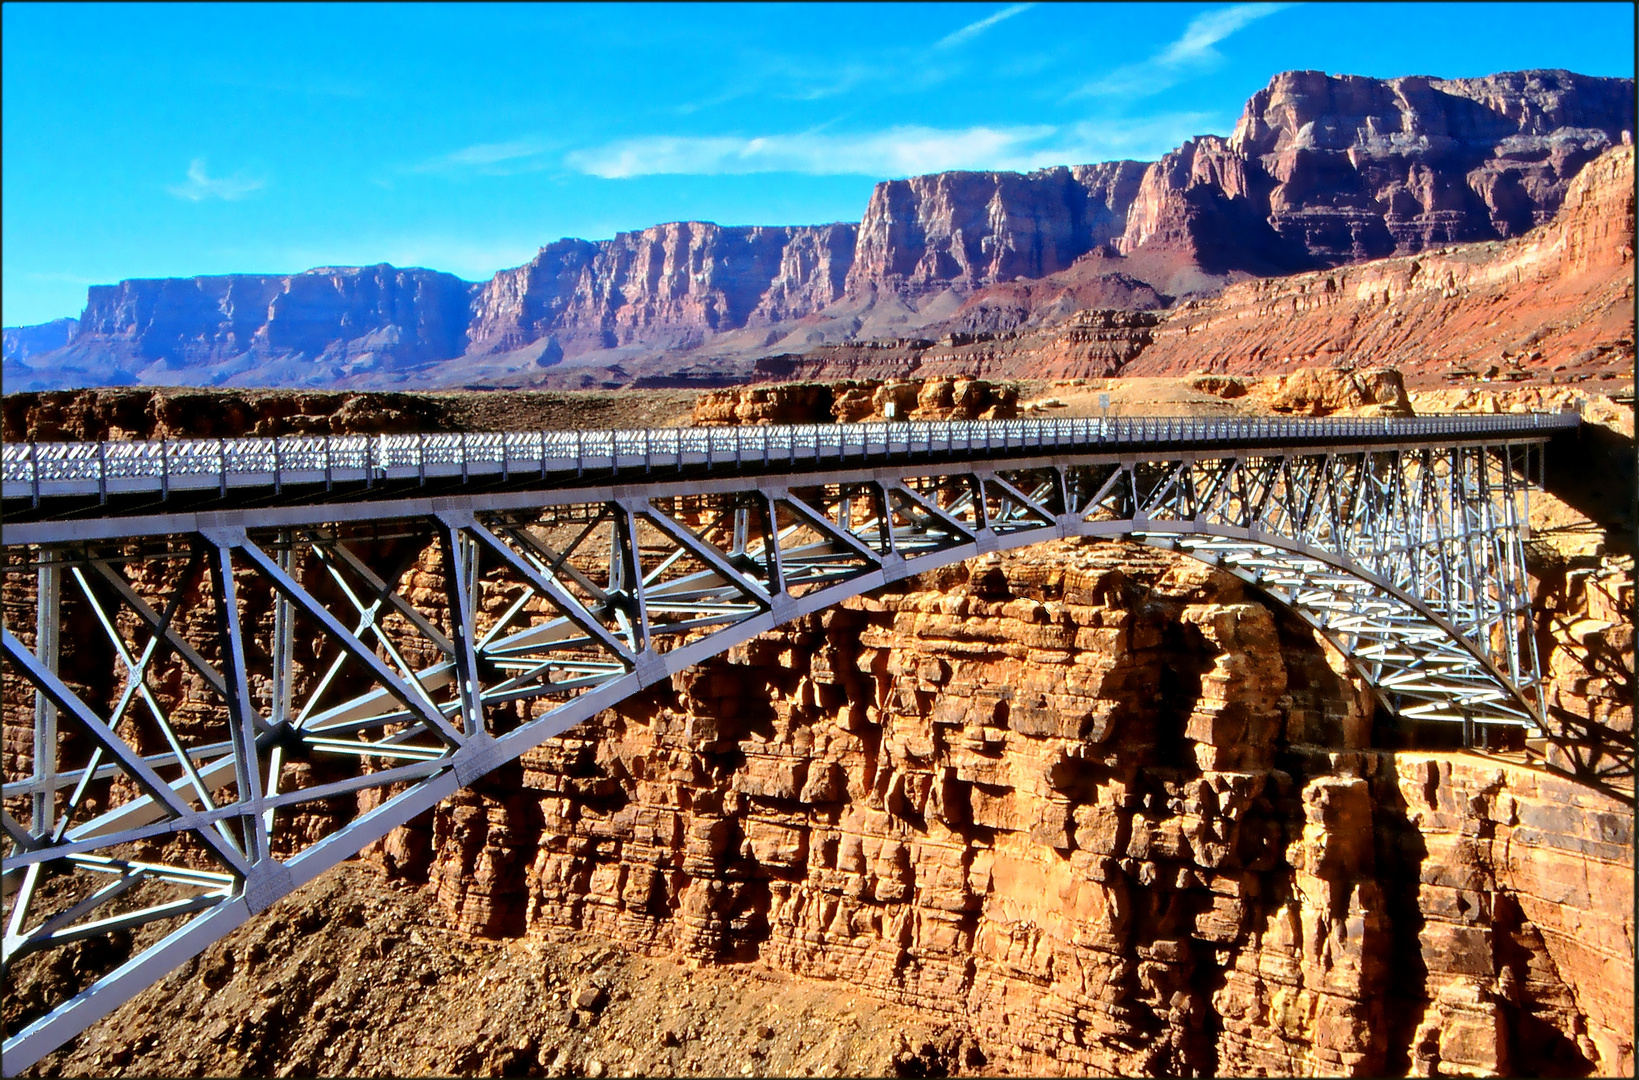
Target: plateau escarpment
point(665, 287)
point(1554, 304)
point(1558, 299)
point(1321, 171)
point(314, 328)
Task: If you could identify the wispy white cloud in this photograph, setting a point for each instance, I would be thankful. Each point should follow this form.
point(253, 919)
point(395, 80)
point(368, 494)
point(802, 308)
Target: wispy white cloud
point(801, 76)
point(1194, 51)
point(202, 186)
point(974, 29)
point(899, 151)
point(496, 158)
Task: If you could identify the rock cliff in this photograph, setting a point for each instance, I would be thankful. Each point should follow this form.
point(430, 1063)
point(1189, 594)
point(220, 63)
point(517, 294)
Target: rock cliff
point(1557, 300)
point(669, 286)
point(308, 329)
point(929, 233)
point(1320, 171)
point(1363, 168)
point(982, 796)
point(1553, 304)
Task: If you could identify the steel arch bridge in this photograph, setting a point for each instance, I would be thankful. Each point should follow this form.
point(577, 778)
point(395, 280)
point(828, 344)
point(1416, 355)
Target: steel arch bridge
point(297, 620)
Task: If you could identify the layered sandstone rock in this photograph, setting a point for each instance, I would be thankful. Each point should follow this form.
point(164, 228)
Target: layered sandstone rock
point(1557, 300)
point(975, 228)
point(859, 400)
point(1104, 807)
point(177, 413)
point(1554, 304)
point(1099, 805)
point(1337, 392)
point(1094, 343)
point(1334, 169)
point(667, 287)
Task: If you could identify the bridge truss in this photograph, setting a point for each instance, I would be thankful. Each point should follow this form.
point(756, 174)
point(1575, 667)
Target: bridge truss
point(278, 661)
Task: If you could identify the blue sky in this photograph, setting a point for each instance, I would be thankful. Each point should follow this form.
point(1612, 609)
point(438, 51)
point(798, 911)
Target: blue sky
point(160, 140)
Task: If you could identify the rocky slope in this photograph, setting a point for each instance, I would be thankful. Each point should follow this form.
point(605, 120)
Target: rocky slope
point(1094, 809)
point(359, 976)
point(1557, 300)
point(1320, 171)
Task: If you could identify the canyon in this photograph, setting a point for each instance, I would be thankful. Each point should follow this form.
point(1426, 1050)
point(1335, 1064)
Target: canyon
point(1086, 808)
point(1094, 808)
point(1090, 807)
point(1321, 171)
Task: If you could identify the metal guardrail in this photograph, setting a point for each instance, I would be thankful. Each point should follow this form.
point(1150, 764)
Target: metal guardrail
point(36, 470)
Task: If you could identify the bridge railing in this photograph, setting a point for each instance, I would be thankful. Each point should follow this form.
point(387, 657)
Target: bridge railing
point(59, 468)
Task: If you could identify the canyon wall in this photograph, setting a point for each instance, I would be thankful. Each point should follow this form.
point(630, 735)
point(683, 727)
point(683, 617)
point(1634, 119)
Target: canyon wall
point(1555, 304)
point(928, 233)
point(666, 287)
point(1320, 171)
point(1100, 806)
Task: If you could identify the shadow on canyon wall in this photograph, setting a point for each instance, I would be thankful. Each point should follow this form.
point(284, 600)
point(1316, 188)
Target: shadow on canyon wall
point(1594, 470)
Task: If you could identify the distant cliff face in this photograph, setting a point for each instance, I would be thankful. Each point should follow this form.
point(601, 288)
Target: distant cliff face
point(1362, 168)
point(1559, 298)
point(253, 329)
point(22, 342)
point(669, 286)
point(1320, 171)
point(977, 228)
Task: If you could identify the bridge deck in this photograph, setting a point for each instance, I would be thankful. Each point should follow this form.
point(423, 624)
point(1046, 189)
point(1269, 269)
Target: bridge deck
point(66, 474)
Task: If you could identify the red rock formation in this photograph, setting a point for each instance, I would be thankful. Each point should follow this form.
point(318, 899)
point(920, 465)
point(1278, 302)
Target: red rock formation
point(1101, 804)
point(1114, 812)
point(1557, 299)
point(1364, 168)
point(968, 229)
point(668, 286)
point(1320, 171)
point(861, 400)
point(1092, 343)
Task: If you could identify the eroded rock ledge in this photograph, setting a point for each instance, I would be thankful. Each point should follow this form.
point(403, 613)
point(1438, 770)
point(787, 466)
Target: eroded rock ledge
point(1103, 808)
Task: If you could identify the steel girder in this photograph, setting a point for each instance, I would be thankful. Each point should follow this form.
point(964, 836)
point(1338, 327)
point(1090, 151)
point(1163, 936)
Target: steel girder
point(279, 664)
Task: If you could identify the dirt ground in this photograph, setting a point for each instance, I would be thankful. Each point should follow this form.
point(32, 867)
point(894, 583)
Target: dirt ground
point(526, 410)
point(351, 976)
